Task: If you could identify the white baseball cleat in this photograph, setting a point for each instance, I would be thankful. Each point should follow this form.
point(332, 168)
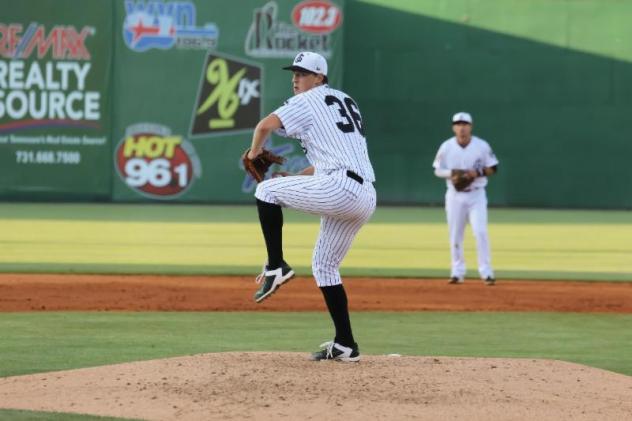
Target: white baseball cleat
point(272, 280)
point(334, 351)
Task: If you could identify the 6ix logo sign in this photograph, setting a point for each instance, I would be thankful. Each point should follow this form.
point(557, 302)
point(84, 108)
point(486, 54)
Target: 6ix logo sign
point(313, 21)
point(229, 98)
point(155, 163)
point(155, 24)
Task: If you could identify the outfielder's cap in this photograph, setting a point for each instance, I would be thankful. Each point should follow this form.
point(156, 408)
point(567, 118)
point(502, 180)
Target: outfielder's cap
point(462, 117)
point(309, 62)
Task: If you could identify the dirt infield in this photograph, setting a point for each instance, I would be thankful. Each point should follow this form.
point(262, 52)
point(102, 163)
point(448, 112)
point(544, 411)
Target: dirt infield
point(41, 292)
point(266, 386)
point(288, 386)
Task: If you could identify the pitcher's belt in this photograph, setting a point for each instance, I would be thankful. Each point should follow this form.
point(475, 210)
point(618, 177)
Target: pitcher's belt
point(355, 176)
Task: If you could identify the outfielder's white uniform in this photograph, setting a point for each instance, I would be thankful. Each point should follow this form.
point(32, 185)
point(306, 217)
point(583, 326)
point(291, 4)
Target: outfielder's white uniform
point(327, 122)
point(470, 205)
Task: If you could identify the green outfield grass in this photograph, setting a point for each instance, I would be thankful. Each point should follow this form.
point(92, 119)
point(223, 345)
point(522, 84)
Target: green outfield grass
point(198, 239)
point(42, 342)
point(39, 342)
point(11, 415)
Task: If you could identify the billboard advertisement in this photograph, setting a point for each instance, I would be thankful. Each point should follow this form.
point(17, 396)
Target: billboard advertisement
point(193, 78)
point(55, 62)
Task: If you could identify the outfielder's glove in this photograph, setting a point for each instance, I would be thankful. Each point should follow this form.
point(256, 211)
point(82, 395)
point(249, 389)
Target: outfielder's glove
point(461, 179)
point(258, 166)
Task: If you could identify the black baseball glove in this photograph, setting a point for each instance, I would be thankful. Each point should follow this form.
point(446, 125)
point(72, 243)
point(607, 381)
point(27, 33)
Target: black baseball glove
point(461, 179)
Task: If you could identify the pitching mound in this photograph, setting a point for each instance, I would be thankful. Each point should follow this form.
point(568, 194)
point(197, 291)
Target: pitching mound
point(288, 386)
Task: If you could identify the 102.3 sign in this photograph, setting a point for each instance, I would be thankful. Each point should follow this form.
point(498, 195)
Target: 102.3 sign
point(155, 163)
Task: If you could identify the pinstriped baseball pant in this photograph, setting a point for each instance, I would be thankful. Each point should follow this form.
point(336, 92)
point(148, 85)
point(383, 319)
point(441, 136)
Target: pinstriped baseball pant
point(343, 204)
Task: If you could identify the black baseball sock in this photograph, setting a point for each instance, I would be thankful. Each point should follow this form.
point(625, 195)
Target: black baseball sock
point(271, 219)
point(336, 299)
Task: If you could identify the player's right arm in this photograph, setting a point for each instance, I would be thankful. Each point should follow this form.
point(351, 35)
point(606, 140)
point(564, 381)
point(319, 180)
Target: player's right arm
point(443, 172)
point(261, 133)
point(439, 165)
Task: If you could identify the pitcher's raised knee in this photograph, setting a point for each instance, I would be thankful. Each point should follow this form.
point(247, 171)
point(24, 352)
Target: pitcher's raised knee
point(326, 275)
point(265, 193)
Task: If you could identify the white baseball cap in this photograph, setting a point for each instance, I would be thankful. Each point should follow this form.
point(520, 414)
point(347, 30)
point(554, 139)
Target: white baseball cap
point(310, 62)
point(462, 117)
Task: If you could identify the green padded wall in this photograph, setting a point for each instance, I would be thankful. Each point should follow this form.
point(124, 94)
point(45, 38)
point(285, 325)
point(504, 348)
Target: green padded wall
point(549, 84)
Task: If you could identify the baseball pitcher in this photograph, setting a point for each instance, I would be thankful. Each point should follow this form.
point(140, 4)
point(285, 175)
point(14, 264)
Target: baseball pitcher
point(338, 186)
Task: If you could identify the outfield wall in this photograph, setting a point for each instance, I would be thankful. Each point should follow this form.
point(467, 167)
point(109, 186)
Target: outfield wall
point(139, 100)
point(55, 100)
point(549, 84)
point(177, 88)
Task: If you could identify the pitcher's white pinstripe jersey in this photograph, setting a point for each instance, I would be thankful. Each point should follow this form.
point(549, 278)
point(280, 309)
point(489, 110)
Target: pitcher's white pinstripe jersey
point(329, 126)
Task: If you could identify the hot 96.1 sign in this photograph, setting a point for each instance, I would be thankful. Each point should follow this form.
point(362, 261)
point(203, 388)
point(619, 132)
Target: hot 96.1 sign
point(156, 163)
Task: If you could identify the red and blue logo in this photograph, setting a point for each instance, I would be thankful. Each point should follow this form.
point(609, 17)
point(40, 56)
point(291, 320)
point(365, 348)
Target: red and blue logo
point(46, 81)
point(163, 25)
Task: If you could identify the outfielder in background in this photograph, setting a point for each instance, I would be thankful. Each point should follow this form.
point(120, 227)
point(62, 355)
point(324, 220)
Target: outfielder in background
point(465, 161)
point(338, 186)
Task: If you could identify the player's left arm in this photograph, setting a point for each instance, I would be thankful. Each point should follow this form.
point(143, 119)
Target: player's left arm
point(306, 171)
point(483, 172)
point(262, 132)
point(490, 166)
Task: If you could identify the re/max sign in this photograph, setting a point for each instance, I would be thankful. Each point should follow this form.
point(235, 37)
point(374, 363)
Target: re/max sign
point(64, 42)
